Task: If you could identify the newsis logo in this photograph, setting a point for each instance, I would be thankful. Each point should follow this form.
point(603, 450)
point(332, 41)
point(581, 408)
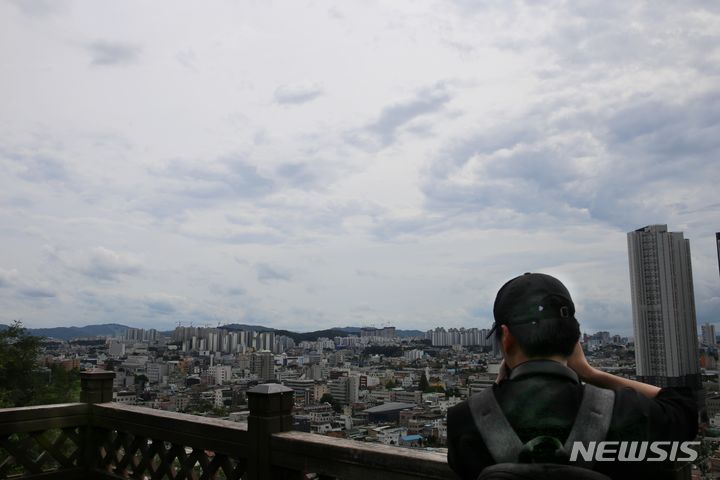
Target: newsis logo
point(634, 451)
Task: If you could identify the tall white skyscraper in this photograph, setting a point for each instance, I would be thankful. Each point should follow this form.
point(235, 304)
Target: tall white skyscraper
point(663, 304)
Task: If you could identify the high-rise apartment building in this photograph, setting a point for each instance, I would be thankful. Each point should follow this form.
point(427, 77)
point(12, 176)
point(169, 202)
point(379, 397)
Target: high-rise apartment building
point(708, 334)
point(663, 304)
point(222, 373)
point(262, 365)
point(371, 332)
point(469, 337)
point(345, 389)
point(140, 335)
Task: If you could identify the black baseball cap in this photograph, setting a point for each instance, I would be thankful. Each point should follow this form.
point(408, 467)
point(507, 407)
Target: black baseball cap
point(530, 298)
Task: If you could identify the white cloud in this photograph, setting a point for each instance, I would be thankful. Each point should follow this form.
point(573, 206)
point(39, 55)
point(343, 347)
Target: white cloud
point(268, 273)
point(8, 278)
point(36, 291)
point(297, 94)
point(105, 264)
point(104, 53)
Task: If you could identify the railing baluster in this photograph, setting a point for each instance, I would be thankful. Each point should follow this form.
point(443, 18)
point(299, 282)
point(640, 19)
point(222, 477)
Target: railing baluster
point(270, 412)
point(95, 387)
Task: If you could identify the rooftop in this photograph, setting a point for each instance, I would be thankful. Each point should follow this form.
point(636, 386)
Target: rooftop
point(390, 407)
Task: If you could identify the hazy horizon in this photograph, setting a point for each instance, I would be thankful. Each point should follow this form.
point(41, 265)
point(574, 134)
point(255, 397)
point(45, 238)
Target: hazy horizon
point(223, 325)
point(306, 165)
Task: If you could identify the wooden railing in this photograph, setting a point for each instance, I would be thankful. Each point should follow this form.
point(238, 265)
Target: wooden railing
point(300, 452)
point(43, 442)
point(101, 440)
point(117, 441)
point(137, 442)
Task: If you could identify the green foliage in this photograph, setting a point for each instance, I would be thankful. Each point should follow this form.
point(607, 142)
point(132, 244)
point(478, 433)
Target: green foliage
point(22, 382)
point(219, 411)
point(327, 398)
point(453, 392)
point(18, 357)
point(63, 386)
point(390, 384)
point(201, 406)
point(424, 385)
point(435, 389)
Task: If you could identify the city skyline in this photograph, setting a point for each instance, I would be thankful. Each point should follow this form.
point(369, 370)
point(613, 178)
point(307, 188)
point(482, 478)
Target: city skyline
point(310, 165)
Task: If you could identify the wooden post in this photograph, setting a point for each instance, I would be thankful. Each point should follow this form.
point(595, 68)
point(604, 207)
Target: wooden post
point(271, 407)
point(96, 386)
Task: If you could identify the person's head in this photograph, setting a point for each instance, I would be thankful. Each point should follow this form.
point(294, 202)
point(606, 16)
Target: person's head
point(535, 318)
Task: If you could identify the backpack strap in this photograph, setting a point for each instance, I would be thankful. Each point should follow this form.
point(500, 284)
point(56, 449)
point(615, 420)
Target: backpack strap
point(500, 439)
point(593, 419)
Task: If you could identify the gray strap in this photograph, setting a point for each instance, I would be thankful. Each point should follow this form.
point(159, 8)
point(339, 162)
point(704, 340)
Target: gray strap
point(592, 421)
point(500, 439)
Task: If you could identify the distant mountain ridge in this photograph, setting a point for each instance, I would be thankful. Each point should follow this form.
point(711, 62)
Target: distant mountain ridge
point(115, 329)
point(329, 332)
point(68, 333)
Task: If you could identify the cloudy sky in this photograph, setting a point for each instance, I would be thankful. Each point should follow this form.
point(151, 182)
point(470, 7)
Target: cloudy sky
point(312, 164)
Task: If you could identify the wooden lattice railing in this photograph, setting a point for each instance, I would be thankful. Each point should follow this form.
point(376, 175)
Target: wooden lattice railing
point(116, 441)
point(101, 440)
point(135, 442)
point(136, 456)
point(43, 441)
point(39, 452)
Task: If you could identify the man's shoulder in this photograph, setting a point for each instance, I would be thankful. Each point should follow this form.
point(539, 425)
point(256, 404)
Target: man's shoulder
point(459, 410)
point(460, 413)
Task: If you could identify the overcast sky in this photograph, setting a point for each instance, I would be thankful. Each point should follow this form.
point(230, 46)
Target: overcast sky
point(305, 165)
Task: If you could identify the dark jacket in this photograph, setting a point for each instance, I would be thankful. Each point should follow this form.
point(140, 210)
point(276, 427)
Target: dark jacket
point(542, 397)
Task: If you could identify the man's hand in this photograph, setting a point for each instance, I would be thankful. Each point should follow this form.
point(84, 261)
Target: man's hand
point(579, 363)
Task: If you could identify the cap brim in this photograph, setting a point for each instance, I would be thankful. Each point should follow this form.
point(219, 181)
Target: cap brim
point(492, 330)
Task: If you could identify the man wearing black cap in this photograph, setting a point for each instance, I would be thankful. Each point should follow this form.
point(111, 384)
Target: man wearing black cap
point(540, 394)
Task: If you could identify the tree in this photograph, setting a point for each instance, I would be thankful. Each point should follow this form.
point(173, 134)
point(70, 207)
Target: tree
point(22, 382)
point(452, 392)
point(63, 387)
point(219, 411)
point(18, 358)
point(435, 389)
point(327, 398)
point(424, 384)
point(140, 382)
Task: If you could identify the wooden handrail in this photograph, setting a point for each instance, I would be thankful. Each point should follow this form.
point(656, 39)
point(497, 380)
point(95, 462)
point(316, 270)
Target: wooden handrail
point(42, 417)
point(354, 460)
point(181, 428)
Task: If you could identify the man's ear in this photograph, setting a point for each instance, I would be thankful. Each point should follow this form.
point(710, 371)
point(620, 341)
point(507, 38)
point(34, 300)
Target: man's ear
point(507, 341)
